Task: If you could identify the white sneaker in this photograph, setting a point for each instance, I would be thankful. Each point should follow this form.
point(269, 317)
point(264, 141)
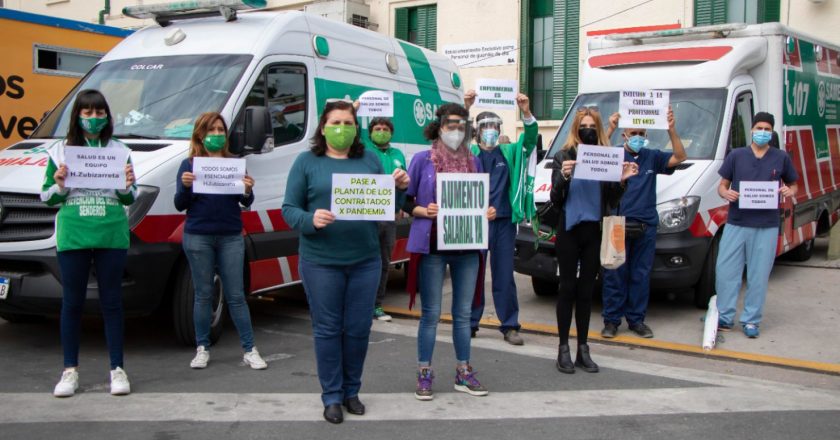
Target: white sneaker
point(201, 358)
point(68, 384)
point(254, 360)
point(119, 382)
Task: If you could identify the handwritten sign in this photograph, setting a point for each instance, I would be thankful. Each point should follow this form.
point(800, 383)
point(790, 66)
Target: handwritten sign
point(644, 109)
point(368, 197)
point(463, 201)
point(215, 175)
point(496, 93)
point(376, 103)
point(484, 54)
point(599, 163)
point(758, 195)
point(96, 168)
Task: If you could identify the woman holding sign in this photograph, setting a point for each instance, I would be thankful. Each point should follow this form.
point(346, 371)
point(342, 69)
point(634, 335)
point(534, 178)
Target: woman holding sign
point(213, 241)
point(340, 264)
point(581, 206)
point(449, 154)
point(91, 227)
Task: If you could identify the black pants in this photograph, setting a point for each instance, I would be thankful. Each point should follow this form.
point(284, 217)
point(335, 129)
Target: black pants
point(580, 245)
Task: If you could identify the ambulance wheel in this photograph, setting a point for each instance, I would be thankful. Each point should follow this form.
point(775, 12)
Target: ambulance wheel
point(705, 287)
point(543, 287)
point(802, 252)
point(183, 296)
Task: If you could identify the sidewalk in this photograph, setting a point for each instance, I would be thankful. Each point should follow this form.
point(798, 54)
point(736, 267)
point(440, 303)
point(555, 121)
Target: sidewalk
point(800, 316)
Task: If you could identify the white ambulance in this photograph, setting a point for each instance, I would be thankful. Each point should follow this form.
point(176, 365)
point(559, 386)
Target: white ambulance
point(718, 77)
point(269, 74)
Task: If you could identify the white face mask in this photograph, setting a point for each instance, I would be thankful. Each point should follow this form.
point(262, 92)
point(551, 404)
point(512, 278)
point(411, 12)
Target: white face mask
point(452, 139)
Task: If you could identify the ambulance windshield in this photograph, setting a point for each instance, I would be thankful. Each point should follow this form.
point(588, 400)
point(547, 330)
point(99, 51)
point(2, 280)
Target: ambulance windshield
point(698, 112)
point(156, 97)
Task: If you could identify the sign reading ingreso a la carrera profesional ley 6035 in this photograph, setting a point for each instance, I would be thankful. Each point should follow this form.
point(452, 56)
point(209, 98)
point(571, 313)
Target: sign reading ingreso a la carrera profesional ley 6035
point(463, 200)
point(644, 109)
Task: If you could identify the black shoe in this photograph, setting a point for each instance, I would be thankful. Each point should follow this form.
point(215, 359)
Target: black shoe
point(333, 413)
point(564, 360)
point(642, 330)
point(473, 331)
point(583, 361)
point(354, 406)
point(610, 330)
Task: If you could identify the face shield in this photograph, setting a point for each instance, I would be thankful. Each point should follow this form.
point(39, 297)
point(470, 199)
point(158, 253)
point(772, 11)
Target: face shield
point(489, 129)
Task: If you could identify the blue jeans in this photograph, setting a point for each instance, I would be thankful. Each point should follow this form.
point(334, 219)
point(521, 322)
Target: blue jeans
point(755, 247)
point(340, 302)
point(501, 240)
point(626, 290)
point(225, 254)
point(464, 271)
point(75, 270)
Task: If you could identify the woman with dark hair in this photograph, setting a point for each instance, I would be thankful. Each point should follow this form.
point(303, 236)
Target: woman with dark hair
point(449, 154)
point(213, 242)
point(339, 260)
point(582, 204)
point(91, 228)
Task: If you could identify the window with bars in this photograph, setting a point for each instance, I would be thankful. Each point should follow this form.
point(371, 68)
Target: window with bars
point(417, 25)
point(708, 12)
point(359, 20)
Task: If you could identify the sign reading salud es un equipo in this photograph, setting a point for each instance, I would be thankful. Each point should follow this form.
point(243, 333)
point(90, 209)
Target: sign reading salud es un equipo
point(368, 197)
point(216, 175)
point(644, 109)
point(463, 200)
point(95, 168)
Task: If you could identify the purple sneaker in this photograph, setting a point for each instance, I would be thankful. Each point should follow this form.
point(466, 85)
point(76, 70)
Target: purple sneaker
point(424, 384)
point(466, 382)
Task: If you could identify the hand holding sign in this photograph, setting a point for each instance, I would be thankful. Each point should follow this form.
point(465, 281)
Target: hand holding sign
point(59, 176)
point(645, 109)
point(129, 176)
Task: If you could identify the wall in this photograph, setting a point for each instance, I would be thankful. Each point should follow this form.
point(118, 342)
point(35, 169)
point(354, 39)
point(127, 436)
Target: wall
point(819, 20)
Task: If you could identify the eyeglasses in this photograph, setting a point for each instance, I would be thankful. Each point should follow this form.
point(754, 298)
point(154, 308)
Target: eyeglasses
point(592, 108)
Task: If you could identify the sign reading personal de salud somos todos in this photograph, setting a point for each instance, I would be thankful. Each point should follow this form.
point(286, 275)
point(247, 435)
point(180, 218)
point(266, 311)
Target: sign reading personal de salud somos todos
point(644, 109)
point(95, 168)
point(599, 163)
point(463, 201)
point(496, 93)
point(486, 54)
point(215, 175)
point(376, 103)
point(758, 195)
point(367, 197)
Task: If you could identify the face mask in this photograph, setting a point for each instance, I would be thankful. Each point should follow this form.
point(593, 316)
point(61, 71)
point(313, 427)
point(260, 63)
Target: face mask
point(452, 139)
point(214, 142)
point(761, 138)
point(93, 125)
point(340, 137)
point(381, 137)
point(588, 136)
point(636, 143)
point(490, 137)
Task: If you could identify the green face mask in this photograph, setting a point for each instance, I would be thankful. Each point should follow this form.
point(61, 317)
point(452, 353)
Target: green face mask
point(93, 125)
point(381, 137)
point(340, 137)
point(214, 142)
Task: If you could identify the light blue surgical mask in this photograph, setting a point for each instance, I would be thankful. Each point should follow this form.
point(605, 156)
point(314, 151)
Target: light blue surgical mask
point(490, 137)
point(761, 137)
point(636, 143)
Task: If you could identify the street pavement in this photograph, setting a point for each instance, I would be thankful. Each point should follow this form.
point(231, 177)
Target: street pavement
point(638, 393)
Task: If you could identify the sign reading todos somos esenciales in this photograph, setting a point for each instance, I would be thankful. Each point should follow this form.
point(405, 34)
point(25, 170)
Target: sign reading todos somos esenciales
point(644, 109)
point(363, 197)
point(463, 200)
point(95, 168)
point(215, 175)
point(758, 195)
point(599, 163)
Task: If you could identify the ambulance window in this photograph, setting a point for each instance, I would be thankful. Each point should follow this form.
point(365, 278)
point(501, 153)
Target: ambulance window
point(51, 60)
point(741, 125)
point(281, 88)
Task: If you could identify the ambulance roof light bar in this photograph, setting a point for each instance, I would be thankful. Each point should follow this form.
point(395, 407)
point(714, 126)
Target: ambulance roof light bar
point(716, 31)
point(165, 13)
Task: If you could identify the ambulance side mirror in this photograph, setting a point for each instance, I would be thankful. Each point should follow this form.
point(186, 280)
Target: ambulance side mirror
point(258, 133)
point(540, 151)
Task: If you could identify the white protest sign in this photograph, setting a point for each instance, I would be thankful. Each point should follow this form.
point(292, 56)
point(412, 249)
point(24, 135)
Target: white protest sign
point(644, 109)
point(486, 54)
point(367, 197)
point(496, 93)
point(95, 168)
point(463, 201)
point(758, 195)
point(599, 163)
point(376, 103)
point(216, 175)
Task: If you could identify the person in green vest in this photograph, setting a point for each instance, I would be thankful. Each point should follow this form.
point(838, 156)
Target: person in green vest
point(91, 228)
point(381, 131)
point(512, 168)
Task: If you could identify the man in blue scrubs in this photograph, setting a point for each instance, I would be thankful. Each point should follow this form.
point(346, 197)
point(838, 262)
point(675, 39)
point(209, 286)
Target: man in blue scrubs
point(626, 290)
point(751, 235)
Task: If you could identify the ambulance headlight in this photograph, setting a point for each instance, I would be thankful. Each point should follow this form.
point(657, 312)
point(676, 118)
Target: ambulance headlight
point(146, 196)
point(677, 215)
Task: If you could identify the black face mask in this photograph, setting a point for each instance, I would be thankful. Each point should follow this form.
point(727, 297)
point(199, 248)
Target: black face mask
point(588, 136)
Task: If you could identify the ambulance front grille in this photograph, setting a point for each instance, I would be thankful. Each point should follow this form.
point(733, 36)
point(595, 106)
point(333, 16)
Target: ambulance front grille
point(25, 217)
